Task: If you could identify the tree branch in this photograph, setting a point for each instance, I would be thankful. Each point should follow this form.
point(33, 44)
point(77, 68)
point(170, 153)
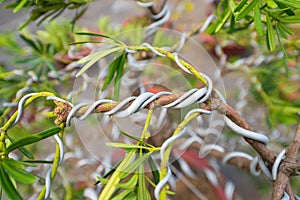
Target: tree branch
point(287, 168)
point(259, 147)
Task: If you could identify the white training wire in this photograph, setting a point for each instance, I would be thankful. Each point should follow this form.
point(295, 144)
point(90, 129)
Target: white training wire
point(277, 163)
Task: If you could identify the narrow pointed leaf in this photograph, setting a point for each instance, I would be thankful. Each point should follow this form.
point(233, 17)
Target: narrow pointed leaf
point(134, 165)
point(257, 20)
point(119, 74)
point(270, 34)
point(112, 169)
point(284, 30)
point(52, 67)
point(122, 195)
point(222, 21)
point(126, 146)
point(17, 173)
point(130, 184)
point(19, 6)
point(23, 163)
point(32, 139)
point(115, 179)
point(98, 56)
point(142, 191)
point(240, 5)
point(154, 170)
point(112, 69)
point(290, 19)
point(101, 35)
point(136, 139)
point(290, 3)
point(246, 10)
point(272, 4)
point(30, 42)
point(7, 186)
point(23, 150)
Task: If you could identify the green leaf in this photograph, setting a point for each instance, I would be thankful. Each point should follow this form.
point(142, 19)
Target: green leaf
point(134, 165)
point(257, 20)
point(7, 186)
point(32, 139)
point(232, 5)
point(78, 15)
point(112, 169)
point(112, 68)
point(290, 3)
point(222, 21)
point(26, 60)
point(288, 10)
point(26, 163)
point(19, 6)
point(118, 77)
point(102, 35)
point(23, 150)
point(270, 34)
point(93, 58)
point(246, 9)
point(142, 191)
point(154, 170)
point(122, 195)
point(284, 30)
point(126, 146)
point(271, 4)
point(212, 28)
point(284, 52)
point(136, 139)
point(30, 42)
point(19, 174)
point(129, 185)
point(11, 5)
point(51, 66)
point(116, 177)
point(290, 19)
point(280, 30)
point(240, 5)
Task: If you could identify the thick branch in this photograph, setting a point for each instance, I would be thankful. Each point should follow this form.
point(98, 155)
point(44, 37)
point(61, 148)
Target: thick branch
point(294, 146)
point(287, 168)
point(259, 147)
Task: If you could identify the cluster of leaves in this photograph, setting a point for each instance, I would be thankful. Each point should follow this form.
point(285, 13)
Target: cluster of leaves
point(127, 179)
point(133, 31)
point(270, 18)
point(42, 10)
point(35, 55)
point(278, 92)
point(39, 48)
point(11, 170)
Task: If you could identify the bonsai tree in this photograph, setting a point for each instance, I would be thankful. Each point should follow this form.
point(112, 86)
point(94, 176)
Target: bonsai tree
point(151, 118)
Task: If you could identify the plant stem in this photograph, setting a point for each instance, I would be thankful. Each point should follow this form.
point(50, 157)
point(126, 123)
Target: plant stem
point(145, 133)
point(170, 55)
point(166, 156)
point(55, 163)
point(27, 102)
